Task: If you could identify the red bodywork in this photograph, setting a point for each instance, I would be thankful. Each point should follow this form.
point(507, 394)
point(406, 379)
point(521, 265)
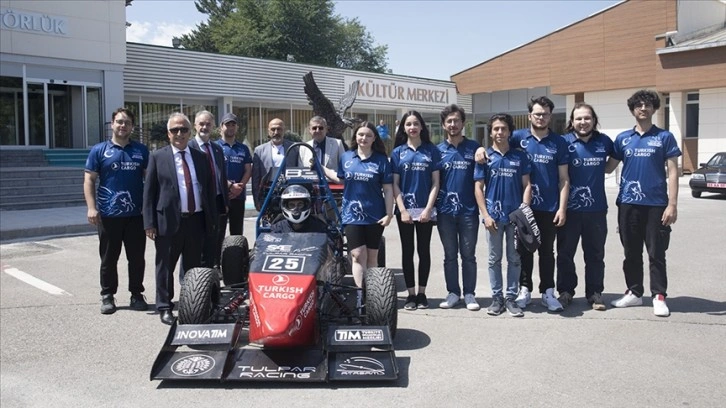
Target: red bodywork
point(282, 309)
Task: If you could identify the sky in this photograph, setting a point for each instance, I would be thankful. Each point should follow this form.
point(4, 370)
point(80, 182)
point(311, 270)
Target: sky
point(427, 39)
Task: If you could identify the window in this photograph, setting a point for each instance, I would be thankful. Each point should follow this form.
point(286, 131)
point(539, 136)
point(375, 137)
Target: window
point(692, 107)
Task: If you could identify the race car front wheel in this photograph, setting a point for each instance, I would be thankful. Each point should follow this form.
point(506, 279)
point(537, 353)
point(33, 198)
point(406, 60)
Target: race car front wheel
point(199, 296)
point(381, 307)
point(235, 259)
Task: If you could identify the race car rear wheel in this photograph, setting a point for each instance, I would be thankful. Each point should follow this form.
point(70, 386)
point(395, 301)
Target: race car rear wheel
point(380, 299)
point(199, 296)
point(235, 259)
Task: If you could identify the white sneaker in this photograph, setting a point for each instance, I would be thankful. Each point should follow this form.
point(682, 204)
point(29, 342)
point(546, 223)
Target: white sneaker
point(627, 300)
point(523, 298)
point(659, 306)
point(471, 302)
point(550, 301)
point(452, 299)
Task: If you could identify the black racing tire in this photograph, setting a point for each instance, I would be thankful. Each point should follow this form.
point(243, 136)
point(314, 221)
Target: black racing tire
point(695, 194)
point(382, 253)
point(235, 261)
point(381, 302)
point(199, 296)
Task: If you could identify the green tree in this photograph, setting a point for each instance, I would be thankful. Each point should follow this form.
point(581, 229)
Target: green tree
point(304, 31)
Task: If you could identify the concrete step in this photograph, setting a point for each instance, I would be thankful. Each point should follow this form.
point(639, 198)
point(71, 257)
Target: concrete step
point(39, 172)
point(41, 181)
point(50, 202)
point(66, 157)
point(41, 190)
point(22, 158)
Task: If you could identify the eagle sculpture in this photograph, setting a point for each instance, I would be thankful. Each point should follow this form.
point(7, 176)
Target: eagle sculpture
point(337, 121)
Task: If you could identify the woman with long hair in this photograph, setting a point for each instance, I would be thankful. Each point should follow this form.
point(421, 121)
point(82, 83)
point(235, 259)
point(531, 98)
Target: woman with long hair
point(415, 166)
point(367, 197)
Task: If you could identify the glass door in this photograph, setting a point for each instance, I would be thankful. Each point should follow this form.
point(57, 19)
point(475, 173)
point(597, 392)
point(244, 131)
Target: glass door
point(36, 114)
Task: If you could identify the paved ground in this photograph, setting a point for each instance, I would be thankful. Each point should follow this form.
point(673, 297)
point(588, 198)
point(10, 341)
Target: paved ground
point(59, 350)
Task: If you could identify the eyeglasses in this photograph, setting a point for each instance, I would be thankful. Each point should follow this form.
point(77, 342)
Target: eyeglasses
point(541, 115)
point(177, 130)
point(317, 127)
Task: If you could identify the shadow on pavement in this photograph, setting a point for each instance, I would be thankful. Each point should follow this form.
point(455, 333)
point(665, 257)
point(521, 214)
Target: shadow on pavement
point(688, 304)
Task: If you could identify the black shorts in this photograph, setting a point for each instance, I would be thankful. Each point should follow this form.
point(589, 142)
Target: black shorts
point(368, 235)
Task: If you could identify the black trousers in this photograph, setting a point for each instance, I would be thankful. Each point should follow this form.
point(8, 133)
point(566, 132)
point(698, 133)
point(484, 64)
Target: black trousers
point(185, 242)
point(593, 228)
point(213, 243)
point(640, 224)
point(546, 254)
point(423, 246)
point(112, 233)
point(236, 218)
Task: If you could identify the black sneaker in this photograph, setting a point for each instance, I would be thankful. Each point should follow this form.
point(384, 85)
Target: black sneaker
point(513, 308)
point(138, 302)
point(596, 302)
point(108, 305)
point(497, 307)
point(410, 302)
point(565, 299)
point(421, 301)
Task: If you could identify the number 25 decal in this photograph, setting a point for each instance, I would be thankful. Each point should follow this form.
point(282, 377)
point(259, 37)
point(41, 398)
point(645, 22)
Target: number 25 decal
point(290, 264)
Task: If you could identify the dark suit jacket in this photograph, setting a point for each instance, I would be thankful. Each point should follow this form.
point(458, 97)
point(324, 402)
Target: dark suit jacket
point(262, 164)
point(221, 166)
point(162, 204)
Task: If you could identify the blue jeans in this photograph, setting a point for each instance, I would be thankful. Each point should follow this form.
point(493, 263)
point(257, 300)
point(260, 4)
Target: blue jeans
point(458, 236)
point(514, 267)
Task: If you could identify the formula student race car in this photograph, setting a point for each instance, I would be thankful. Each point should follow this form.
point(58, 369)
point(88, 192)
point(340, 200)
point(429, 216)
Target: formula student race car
point(285, 311)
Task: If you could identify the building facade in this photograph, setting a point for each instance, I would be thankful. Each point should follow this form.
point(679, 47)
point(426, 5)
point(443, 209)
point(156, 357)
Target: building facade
point(66, 66)
point(675, 47)
point(62, 71)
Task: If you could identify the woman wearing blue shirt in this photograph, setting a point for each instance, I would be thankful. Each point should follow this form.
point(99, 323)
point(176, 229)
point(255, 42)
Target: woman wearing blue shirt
point(367, 197)
point(415, 165)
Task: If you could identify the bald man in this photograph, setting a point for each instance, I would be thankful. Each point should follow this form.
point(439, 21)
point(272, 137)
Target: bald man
point(269, 156)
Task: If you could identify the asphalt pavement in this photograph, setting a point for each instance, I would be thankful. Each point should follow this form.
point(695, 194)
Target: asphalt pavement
point(58, 350)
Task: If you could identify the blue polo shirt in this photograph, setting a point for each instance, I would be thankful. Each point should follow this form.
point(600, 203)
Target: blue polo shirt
point(121, 177)
point(363, 202)
point(546, 155)
point(236, 156)
point(503, 178)
point(415, 168)
point(456, 195)
point(587, 171)
point(643, 180)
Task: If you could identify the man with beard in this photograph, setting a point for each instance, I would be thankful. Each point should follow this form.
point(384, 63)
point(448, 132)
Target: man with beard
point(203, 124)
point(268, 157)
point(550, 188)
point(458, 218)
point(116, 208)
point(239, 171)
point(587, 207)
point(327, 149)
point(647, 202)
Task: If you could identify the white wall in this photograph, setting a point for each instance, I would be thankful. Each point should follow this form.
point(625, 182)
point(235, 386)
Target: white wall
point(513, 101)
point(92, 31)
point(612, 110)
point(712, 123)
point(698, 15)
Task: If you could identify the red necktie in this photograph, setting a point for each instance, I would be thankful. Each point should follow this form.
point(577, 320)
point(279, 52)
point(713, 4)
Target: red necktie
point(191, 204)
point(208, 148)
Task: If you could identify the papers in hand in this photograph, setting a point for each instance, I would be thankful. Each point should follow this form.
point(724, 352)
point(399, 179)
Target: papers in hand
point(416, 213)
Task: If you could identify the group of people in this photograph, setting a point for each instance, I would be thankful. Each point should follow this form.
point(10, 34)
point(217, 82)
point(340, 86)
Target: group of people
point(192, 188)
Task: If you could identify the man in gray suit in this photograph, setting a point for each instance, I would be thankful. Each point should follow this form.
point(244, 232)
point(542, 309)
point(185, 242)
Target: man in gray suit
point(328, 149)
point(178, 208)
point(203, 124)
point(268, 157)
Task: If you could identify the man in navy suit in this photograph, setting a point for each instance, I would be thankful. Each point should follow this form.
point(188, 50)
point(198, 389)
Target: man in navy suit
point(178, 208)
point(269, 156)
point(203, 124)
